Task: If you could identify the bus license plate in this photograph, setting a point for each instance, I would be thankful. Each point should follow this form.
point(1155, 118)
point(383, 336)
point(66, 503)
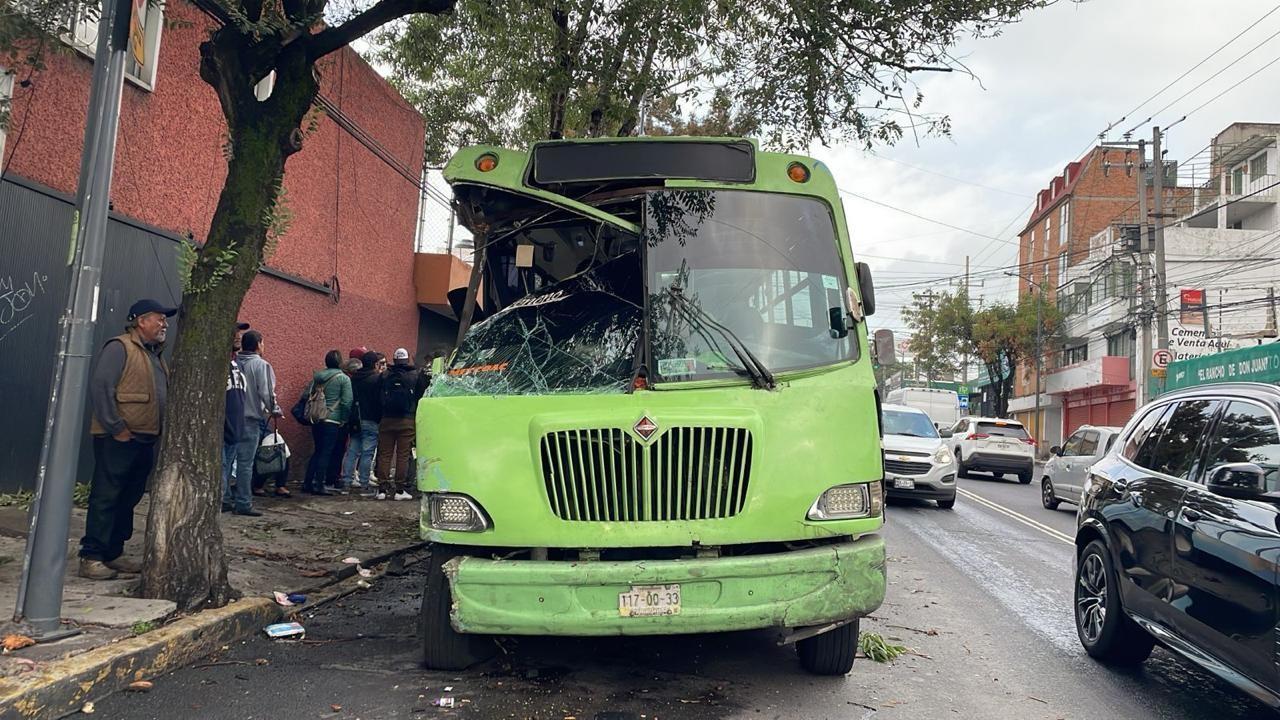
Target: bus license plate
point(647, 600)
point(904, 484)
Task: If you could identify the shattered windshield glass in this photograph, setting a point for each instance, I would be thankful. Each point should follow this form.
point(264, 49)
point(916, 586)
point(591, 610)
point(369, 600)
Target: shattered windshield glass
point(580, 335)
point(762, 265)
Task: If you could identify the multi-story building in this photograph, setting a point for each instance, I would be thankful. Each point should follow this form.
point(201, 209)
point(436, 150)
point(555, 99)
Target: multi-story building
point(1222, 244)
point(1074, 206)
point(342, 276)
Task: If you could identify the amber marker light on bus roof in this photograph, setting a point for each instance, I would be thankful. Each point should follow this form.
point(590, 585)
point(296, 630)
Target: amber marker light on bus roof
point(486, 162)
point(798, 172)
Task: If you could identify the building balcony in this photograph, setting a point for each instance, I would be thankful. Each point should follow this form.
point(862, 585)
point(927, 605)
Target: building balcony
point(1108, 371)
point(1104, 315)
point(1238, 203)
point(435, 277)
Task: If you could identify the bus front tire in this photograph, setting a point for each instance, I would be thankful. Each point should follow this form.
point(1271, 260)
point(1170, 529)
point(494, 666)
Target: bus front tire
point(830, 653)
point(444, 648)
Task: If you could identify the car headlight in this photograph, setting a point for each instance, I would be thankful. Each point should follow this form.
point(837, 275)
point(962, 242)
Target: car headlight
point(942, 456)
point(846, 502)
point(451, 511)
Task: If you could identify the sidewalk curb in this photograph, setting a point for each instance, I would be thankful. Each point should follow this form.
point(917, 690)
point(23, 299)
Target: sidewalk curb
point(61, 688)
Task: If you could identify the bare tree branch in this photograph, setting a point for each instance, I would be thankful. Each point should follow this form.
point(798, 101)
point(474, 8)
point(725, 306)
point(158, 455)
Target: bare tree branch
point(330, 39)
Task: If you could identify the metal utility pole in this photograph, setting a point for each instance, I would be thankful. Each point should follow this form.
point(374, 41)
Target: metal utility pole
point(1039, 353)
point(1162, 293)
point(45, 560)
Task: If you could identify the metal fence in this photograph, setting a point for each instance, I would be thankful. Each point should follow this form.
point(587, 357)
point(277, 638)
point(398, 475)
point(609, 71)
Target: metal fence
point(35, 231)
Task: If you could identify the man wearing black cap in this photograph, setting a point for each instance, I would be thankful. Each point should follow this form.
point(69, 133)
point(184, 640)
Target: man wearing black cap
point(128, 390)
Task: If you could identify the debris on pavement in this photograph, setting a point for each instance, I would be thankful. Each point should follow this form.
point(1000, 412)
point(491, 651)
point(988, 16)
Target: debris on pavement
point(141, 686)
point(351, 560)
point(16, 642)
point(444, 702)
point(283, 630)
point(297, 598)
point(282, 599)
point(876, 648)
point(362, 584)
point(87, 708)
point(364, 572)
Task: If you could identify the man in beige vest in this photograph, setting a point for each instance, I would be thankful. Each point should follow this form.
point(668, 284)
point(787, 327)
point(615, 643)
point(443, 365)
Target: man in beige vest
point(128, 390)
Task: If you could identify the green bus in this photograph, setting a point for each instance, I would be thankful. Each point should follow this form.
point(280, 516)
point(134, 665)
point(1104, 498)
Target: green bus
point(661, 416)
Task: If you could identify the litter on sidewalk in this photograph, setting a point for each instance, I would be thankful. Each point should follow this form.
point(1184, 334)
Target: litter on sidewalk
point(283, 630)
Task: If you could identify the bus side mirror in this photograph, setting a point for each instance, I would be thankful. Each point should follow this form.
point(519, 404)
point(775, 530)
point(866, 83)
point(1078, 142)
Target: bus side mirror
point(883, 353)
point(868, 288)
point(838, 327)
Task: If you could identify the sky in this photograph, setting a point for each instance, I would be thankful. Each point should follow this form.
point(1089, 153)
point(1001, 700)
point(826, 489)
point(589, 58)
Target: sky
point(1044, 89)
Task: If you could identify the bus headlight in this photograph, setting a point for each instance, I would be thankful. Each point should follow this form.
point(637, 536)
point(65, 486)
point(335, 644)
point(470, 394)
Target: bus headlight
point(451, 511)
point(846, 502)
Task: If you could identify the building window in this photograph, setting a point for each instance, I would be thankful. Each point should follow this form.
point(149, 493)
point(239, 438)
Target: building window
point(1064, 224)
point(6, 94)
point(1258, 166)
point(1073, 355)
point(82, 34)
point(1062, 267)
point(1121, 344)
point(1236, 181)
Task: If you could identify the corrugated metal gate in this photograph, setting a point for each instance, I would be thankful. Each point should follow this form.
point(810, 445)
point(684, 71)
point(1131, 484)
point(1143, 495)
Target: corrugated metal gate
point(35, 226)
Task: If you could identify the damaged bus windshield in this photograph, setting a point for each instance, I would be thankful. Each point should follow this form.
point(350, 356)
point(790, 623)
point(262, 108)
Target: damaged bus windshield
point(738, 283)
point(762, 266)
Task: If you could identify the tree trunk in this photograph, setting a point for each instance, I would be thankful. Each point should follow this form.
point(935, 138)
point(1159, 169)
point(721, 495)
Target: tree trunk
point(184, 560)
point(641, 88)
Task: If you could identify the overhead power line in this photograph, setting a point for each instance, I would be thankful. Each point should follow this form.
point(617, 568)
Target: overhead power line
point(925, 218)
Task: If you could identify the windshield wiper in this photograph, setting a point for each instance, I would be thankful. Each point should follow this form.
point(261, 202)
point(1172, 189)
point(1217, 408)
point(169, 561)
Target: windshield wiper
point(759, 373)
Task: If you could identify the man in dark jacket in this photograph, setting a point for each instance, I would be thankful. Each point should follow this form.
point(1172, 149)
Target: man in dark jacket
point(366, 386)
point(402, 387)
point(233, 422)
point(128, 390)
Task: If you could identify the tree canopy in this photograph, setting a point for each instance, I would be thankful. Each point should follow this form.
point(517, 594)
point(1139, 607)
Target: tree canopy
point(790, 73)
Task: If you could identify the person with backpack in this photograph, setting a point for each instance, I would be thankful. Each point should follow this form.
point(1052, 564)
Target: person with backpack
point(327, 405)
point(402, 387)
point(260, 405)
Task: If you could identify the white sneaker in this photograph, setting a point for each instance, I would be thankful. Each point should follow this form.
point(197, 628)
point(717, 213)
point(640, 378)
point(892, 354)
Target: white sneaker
point(380, 496)
point(403, 496)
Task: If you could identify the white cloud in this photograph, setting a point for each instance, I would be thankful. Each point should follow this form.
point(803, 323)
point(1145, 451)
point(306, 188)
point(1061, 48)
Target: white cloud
point(1045, 88)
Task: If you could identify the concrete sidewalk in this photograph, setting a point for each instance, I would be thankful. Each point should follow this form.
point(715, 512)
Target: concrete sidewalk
point(297, 545)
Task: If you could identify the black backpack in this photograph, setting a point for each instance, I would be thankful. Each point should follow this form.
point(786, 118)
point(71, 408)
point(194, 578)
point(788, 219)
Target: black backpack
point(397, 394)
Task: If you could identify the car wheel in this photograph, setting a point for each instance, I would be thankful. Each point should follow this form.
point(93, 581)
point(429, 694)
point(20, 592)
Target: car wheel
point(961, 469)
point(830, 653)
point(1046, 494)
point(1025, 477)
point(444, 648)
point(1105, 631)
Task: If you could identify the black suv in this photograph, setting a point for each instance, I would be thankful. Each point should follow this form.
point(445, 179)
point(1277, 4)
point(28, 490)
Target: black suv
point(1178, 537)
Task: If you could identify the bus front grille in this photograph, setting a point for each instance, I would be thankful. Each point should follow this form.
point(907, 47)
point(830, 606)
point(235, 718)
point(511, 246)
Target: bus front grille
point(686, 473)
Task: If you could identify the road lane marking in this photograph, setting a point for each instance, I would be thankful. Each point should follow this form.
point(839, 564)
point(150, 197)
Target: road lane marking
point(1055, 534)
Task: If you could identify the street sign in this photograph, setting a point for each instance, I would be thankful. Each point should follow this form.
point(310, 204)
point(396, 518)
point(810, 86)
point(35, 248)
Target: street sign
point(1160, 359)
point(964, 402)
point(1159, 372)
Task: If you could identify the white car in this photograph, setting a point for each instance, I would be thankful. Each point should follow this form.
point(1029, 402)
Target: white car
point(1068, 466)
point(994, 445)
point(917, 463)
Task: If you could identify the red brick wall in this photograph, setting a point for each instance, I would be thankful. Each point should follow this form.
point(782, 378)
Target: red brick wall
point(354, 217)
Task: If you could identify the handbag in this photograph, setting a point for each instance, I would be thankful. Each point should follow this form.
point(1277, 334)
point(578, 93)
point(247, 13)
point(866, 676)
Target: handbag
point(272, 458)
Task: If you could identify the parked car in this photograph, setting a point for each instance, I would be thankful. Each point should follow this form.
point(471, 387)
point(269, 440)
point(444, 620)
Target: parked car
point(942, 406)
point(1178, 536)
point(917, 463)
point(1068, 466)
point(993, 445)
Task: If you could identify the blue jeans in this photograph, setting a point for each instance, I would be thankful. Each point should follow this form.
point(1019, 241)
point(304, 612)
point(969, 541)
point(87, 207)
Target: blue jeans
point(228, 470)
point(358, 462)
point(246, 453)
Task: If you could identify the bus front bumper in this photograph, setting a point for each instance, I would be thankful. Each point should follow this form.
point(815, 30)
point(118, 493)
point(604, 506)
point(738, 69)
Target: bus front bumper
point(788, 589)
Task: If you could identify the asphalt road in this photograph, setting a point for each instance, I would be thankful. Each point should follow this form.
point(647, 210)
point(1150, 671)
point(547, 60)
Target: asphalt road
point(981, 594)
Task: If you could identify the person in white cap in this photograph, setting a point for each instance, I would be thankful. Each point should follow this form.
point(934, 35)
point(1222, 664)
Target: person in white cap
point(402, 387)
